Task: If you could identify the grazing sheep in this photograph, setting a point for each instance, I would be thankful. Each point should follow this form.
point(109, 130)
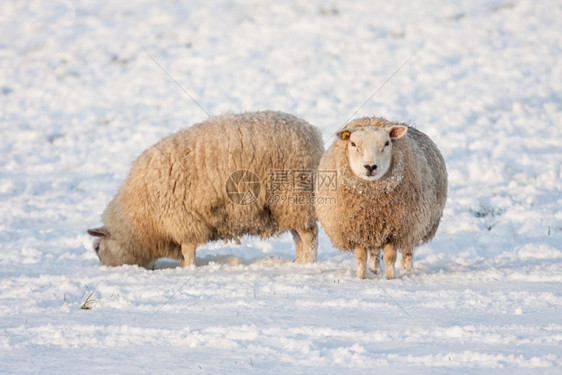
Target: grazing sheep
point(208, 182)
point(390, 194)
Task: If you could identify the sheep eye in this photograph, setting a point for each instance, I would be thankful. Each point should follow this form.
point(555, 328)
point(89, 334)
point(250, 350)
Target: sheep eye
point(387, 143)
point(353, 144)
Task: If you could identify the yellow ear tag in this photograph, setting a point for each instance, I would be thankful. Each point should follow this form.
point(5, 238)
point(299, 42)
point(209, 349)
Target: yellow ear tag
point(345, 135)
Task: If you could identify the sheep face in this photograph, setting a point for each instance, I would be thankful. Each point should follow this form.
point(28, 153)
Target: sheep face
point(369, 149)
point(109, 251)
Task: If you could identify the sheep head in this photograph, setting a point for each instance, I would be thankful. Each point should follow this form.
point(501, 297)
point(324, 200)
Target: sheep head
point(109, 251)
point(369, 149)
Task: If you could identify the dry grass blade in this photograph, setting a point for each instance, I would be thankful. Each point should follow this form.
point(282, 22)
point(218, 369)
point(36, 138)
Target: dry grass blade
point(89, 303)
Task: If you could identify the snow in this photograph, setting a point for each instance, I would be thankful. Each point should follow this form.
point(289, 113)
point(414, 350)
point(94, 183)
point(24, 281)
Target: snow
point(81, 97)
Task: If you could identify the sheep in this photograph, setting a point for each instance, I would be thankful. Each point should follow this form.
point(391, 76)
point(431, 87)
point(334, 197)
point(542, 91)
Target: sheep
point(390, 192)
point(208, 182)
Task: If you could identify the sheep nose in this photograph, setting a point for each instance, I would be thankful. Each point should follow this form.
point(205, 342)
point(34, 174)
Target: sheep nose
point(370, 169)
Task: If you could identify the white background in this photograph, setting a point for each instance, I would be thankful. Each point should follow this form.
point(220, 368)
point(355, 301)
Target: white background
point(80, 98)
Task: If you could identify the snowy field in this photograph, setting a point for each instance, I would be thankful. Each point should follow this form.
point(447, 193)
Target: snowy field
point(81, 95)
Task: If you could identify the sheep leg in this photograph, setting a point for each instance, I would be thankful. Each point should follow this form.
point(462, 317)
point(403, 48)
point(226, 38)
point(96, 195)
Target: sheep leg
point(188, 254)
point(308, 241)
point(407, 258)
point(298, 245)
point(361, 258)
point(389, 260)
point(375, 260)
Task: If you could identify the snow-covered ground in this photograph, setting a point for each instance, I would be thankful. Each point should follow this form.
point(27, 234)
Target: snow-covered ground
point(81, 96)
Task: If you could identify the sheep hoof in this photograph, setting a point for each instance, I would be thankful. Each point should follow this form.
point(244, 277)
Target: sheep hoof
point(361, 271)
point(406, 262)
point(374, 261)
point(187, 254)
point(389, 275)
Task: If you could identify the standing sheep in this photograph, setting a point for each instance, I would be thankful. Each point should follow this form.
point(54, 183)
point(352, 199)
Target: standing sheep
point(206, 183)
point(390, 194)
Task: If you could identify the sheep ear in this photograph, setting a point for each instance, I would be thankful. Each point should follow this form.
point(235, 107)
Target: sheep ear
point(344, 134)
point(397, 131)
point(98, 232)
